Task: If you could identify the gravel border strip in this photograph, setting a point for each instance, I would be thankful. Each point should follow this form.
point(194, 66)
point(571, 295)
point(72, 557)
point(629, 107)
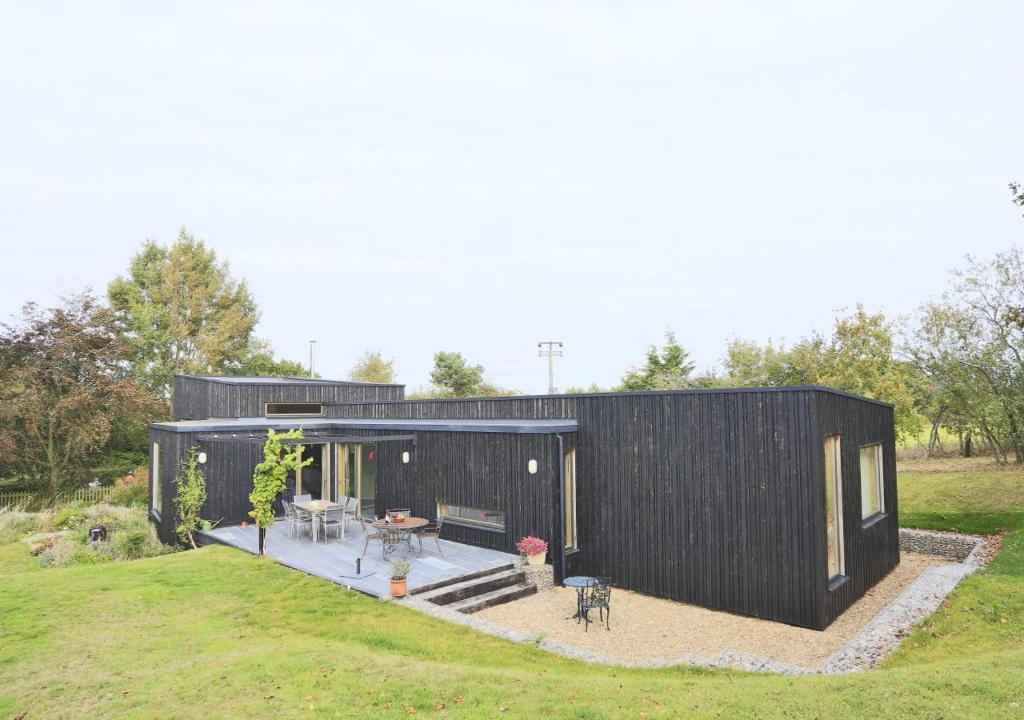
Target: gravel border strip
point(864, 650)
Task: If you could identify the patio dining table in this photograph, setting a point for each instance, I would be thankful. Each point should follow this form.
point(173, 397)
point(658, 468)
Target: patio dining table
point(404, 529)
point(320, 507)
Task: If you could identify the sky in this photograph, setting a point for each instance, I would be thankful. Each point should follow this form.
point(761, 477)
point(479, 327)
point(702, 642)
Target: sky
point(415, 177)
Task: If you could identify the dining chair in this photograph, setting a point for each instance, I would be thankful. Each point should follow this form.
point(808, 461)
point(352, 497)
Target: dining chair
point(303, 498)
point(431, 532)
point(289, 518)
point(332, 519)
point(303, 519)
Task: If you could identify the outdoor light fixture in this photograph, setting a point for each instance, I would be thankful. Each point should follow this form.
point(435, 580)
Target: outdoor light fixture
point(532, 467)
point(201, 458)
point(405, 457)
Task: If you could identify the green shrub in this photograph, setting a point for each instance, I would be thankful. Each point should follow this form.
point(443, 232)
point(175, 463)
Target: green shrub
point(132, 490)
point(131, 545)
point(70, 517)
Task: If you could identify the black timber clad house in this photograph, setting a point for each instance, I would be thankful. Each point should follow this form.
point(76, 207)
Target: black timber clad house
point(713, 497)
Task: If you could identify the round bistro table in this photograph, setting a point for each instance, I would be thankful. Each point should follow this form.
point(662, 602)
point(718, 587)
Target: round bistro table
point(581, 583)
point(404, 528)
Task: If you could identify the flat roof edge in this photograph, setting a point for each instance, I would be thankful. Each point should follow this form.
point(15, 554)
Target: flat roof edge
point(640, 393)
point(526, 427)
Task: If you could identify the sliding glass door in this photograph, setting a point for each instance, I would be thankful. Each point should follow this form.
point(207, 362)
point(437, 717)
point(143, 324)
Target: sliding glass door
point(357, 472)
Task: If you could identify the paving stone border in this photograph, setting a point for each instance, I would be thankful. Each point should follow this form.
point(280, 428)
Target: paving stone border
point(863, 651)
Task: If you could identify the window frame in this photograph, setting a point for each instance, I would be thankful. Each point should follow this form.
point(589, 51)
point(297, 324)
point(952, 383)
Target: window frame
point(570, 519)
point(156, 490)
point(837, 508)
point(267, 413)
point(443, 513)
point(879, 480)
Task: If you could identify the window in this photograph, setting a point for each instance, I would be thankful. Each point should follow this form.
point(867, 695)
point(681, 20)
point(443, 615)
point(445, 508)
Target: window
point(872, 490)
point(569, 498)
point(834, 506)
point(157, 491)
point(294, 408)
point(491, 519)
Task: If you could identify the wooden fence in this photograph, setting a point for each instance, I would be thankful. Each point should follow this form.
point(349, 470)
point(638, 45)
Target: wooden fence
point(34, 501)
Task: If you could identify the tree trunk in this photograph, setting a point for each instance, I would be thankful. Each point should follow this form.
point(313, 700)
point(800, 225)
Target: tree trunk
point(967, 444)
point(933, 436)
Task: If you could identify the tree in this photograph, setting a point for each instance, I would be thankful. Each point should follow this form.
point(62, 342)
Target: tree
point(191, 496)
point(65, 380)
point(271, 476)
point(971, 346)
point(857, 357)
point(454, 377)
point(260, 362)
point(669, 369)
point(1018, 194)
point(183, 312)
point(372, 367)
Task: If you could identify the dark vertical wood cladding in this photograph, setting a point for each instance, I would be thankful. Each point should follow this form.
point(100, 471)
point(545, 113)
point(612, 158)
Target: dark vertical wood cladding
point(872, 550)
point(481, 470)
point(715, 498)
point(197, 398)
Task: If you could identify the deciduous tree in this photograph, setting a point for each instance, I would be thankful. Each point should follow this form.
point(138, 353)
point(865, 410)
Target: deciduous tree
point(65, 380)
point(372, 367)
point(183, 312)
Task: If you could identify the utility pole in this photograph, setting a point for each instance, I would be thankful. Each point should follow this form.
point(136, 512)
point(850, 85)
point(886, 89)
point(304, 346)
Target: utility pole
point(551, 353)
point(312, 344)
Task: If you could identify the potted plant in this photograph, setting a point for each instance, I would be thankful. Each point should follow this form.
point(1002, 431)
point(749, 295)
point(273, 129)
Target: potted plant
point(534, 549)
point(399, 578)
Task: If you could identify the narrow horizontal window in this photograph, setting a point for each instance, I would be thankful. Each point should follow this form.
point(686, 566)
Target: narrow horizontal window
point(872, 488)
point(294, 408)
point(472, 516)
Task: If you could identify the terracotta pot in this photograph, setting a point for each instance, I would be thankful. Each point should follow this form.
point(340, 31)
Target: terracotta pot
point(537, 559)
point(399, 587)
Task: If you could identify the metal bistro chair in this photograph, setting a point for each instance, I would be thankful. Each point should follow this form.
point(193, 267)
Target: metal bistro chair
point(389, 538)
point(597, 596)
point(431, 532)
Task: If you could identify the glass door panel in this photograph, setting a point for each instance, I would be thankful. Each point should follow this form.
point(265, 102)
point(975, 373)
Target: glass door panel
point(367, 480)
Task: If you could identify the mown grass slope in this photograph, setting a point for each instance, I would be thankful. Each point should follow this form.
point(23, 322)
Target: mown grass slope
point(216, 633)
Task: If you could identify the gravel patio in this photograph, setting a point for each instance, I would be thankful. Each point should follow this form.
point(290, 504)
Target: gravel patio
point(646, 629)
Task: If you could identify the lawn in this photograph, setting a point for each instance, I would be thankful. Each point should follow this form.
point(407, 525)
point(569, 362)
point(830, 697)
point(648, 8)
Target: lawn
point(215, 633)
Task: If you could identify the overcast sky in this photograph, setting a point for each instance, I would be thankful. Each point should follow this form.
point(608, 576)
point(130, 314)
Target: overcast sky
point(479, 176)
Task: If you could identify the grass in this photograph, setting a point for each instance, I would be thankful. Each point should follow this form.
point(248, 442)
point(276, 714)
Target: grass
point(216, 633)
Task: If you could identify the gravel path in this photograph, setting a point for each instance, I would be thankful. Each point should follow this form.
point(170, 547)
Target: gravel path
point(652, 631)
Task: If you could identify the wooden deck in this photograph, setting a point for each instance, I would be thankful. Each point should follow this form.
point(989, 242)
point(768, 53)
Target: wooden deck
point(335, 559)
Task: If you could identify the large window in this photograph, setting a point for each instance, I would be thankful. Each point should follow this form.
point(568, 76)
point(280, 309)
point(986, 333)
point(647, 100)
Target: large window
point(872, 495)
point(834, 506)
point(569, 478)
point(157, 491)
point(491, 519)
point(274, 409)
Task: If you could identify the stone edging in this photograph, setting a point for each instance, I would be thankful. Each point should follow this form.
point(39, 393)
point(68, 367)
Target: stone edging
point(863, 651)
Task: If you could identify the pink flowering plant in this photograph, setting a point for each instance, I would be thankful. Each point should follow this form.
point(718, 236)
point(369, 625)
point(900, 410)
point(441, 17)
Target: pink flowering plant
point(531, 546)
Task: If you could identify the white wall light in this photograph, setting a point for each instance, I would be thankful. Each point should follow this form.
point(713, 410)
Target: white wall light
point(201, 458)
point(532, 467)
point(405, 457)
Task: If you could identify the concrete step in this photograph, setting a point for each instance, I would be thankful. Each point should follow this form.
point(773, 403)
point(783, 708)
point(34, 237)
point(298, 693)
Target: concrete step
point(460, 579)
point(476, 586)
point(494, 597)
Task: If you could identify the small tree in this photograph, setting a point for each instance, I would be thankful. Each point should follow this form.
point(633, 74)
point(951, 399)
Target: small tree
point(372, 367)
point(669, 369)
point(191, 496)
point(454, 377)
point(271, 475)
